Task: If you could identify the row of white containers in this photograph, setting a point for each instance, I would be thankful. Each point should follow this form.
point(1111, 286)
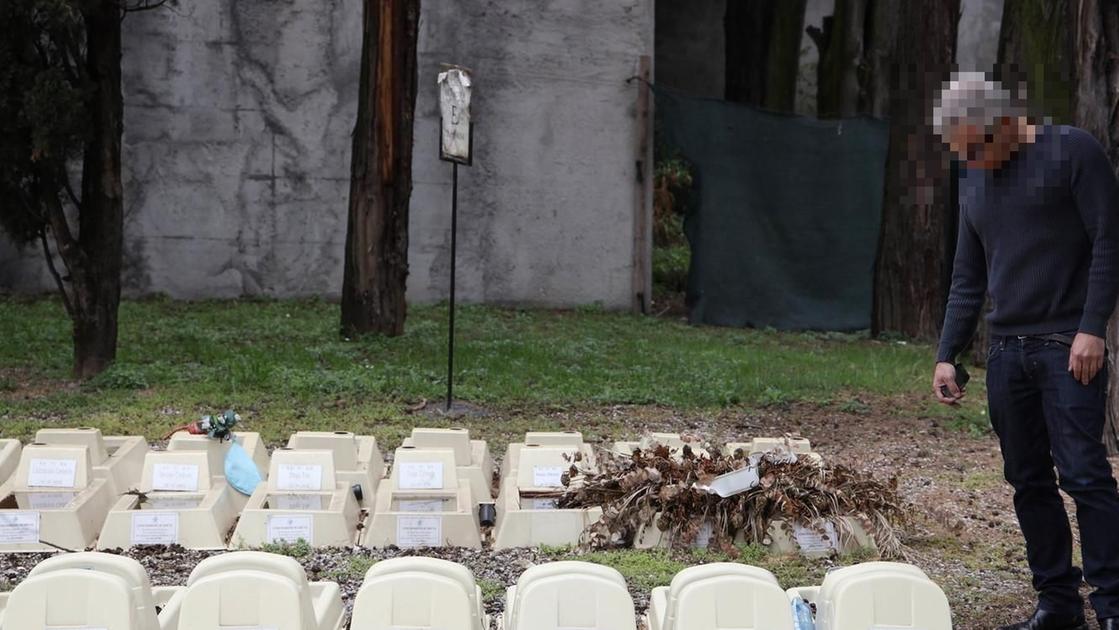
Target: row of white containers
point(252, 590)
point(74, 488)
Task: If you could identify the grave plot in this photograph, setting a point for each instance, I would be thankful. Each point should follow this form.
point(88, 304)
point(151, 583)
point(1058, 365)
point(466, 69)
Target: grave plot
point(472, 457)
point(53, 501)
point(178, 502)
point(675, 443)
point(657, 498)
point(116, 459)
point(9, 458)
point(252, 590)
point(357, 460)
point(875, 595)
point(560, 595)
point(425, 503)
point(707, 597)
point(532, 483)
point(421, 593)
point(303, 499)
point(217, 450)
point(85, 590)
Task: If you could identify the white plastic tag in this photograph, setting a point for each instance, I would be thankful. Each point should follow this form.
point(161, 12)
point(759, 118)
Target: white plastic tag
point(810, 540)
point(547, 476)
point(52, 473)
point(419, 531)
point(17, 528)
point(155, 528)
point(175, 477)
point(299, 477)
point(291, 528)
point(49, 500)
point(421, 476)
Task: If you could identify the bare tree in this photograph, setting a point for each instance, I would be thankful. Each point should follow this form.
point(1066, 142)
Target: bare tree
point(376, 267)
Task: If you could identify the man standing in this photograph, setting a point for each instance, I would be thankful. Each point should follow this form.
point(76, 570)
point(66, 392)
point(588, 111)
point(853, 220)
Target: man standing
point(1039, 232)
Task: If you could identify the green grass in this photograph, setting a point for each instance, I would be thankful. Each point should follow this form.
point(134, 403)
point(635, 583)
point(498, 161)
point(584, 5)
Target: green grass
point(282, 364)
point(650, 568)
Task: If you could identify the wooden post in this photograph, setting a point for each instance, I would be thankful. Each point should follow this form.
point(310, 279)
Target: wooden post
point(642, 294)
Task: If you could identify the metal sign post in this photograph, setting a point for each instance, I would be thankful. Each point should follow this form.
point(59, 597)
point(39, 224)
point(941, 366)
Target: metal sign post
point(456, 131)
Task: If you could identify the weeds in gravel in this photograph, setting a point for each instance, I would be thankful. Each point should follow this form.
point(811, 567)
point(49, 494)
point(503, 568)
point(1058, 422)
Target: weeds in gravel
point(355, 568)
point(298, 549)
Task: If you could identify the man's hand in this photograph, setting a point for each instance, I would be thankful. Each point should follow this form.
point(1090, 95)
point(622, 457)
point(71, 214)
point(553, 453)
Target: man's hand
point(945, 376)
point(1086, 357)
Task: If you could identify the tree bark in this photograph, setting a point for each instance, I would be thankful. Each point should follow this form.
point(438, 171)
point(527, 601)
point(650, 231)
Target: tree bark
point(840, 90)
point(912, 267)
point(376, 265)
point(95, 280)
point(763, 40)
point(856, 46)
point(1065, 53)
point(880, 42)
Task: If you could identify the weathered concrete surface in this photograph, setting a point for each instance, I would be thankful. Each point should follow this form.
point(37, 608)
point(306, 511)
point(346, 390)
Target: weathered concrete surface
point(238, 117)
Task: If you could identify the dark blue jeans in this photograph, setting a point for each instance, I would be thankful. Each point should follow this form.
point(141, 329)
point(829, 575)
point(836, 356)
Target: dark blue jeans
point(1045, 419)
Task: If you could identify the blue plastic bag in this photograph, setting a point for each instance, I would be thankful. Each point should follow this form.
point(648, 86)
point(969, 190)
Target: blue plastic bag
point(240, 470)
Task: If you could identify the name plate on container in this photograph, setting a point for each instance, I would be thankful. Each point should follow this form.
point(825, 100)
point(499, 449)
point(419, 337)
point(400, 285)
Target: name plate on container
point(547, 476)
point(155, 528)
point(299, 477)
point(421, 476)
point(175, 477)
point(52, 473)
point(17, 528)
point(419, 531)
point(291, 528)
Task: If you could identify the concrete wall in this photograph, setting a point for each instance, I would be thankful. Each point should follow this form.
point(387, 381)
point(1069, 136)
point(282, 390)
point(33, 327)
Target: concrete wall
point(238, 116)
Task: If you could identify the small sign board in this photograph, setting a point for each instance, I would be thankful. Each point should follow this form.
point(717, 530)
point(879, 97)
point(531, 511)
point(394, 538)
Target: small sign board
point(456, 128)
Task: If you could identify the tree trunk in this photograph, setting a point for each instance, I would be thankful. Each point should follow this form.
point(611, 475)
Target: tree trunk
point(1064, 52)
point(880, 41)
point(96, 283)
point(840, 90)
point(763, 52)
point(911, 271)
point(856, 47)
point(376, 267)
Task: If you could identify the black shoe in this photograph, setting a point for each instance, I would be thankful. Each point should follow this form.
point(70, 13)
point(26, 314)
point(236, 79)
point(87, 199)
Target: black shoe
point(1050, 621)
point(1111, 623)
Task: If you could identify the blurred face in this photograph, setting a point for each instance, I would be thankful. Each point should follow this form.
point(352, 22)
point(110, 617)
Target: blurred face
point(984, 148)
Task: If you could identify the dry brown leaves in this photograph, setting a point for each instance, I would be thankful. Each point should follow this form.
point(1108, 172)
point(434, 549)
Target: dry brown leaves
point(658, 487)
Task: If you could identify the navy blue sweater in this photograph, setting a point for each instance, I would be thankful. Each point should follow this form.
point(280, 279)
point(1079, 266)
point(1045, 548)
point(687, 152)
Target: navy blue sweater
point(1040, 234)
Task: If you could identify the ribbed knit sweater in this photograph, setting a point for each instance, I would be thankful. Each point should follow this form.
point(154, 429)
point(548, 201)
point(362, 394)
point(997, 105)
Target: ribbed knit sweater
point(1040, 234)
